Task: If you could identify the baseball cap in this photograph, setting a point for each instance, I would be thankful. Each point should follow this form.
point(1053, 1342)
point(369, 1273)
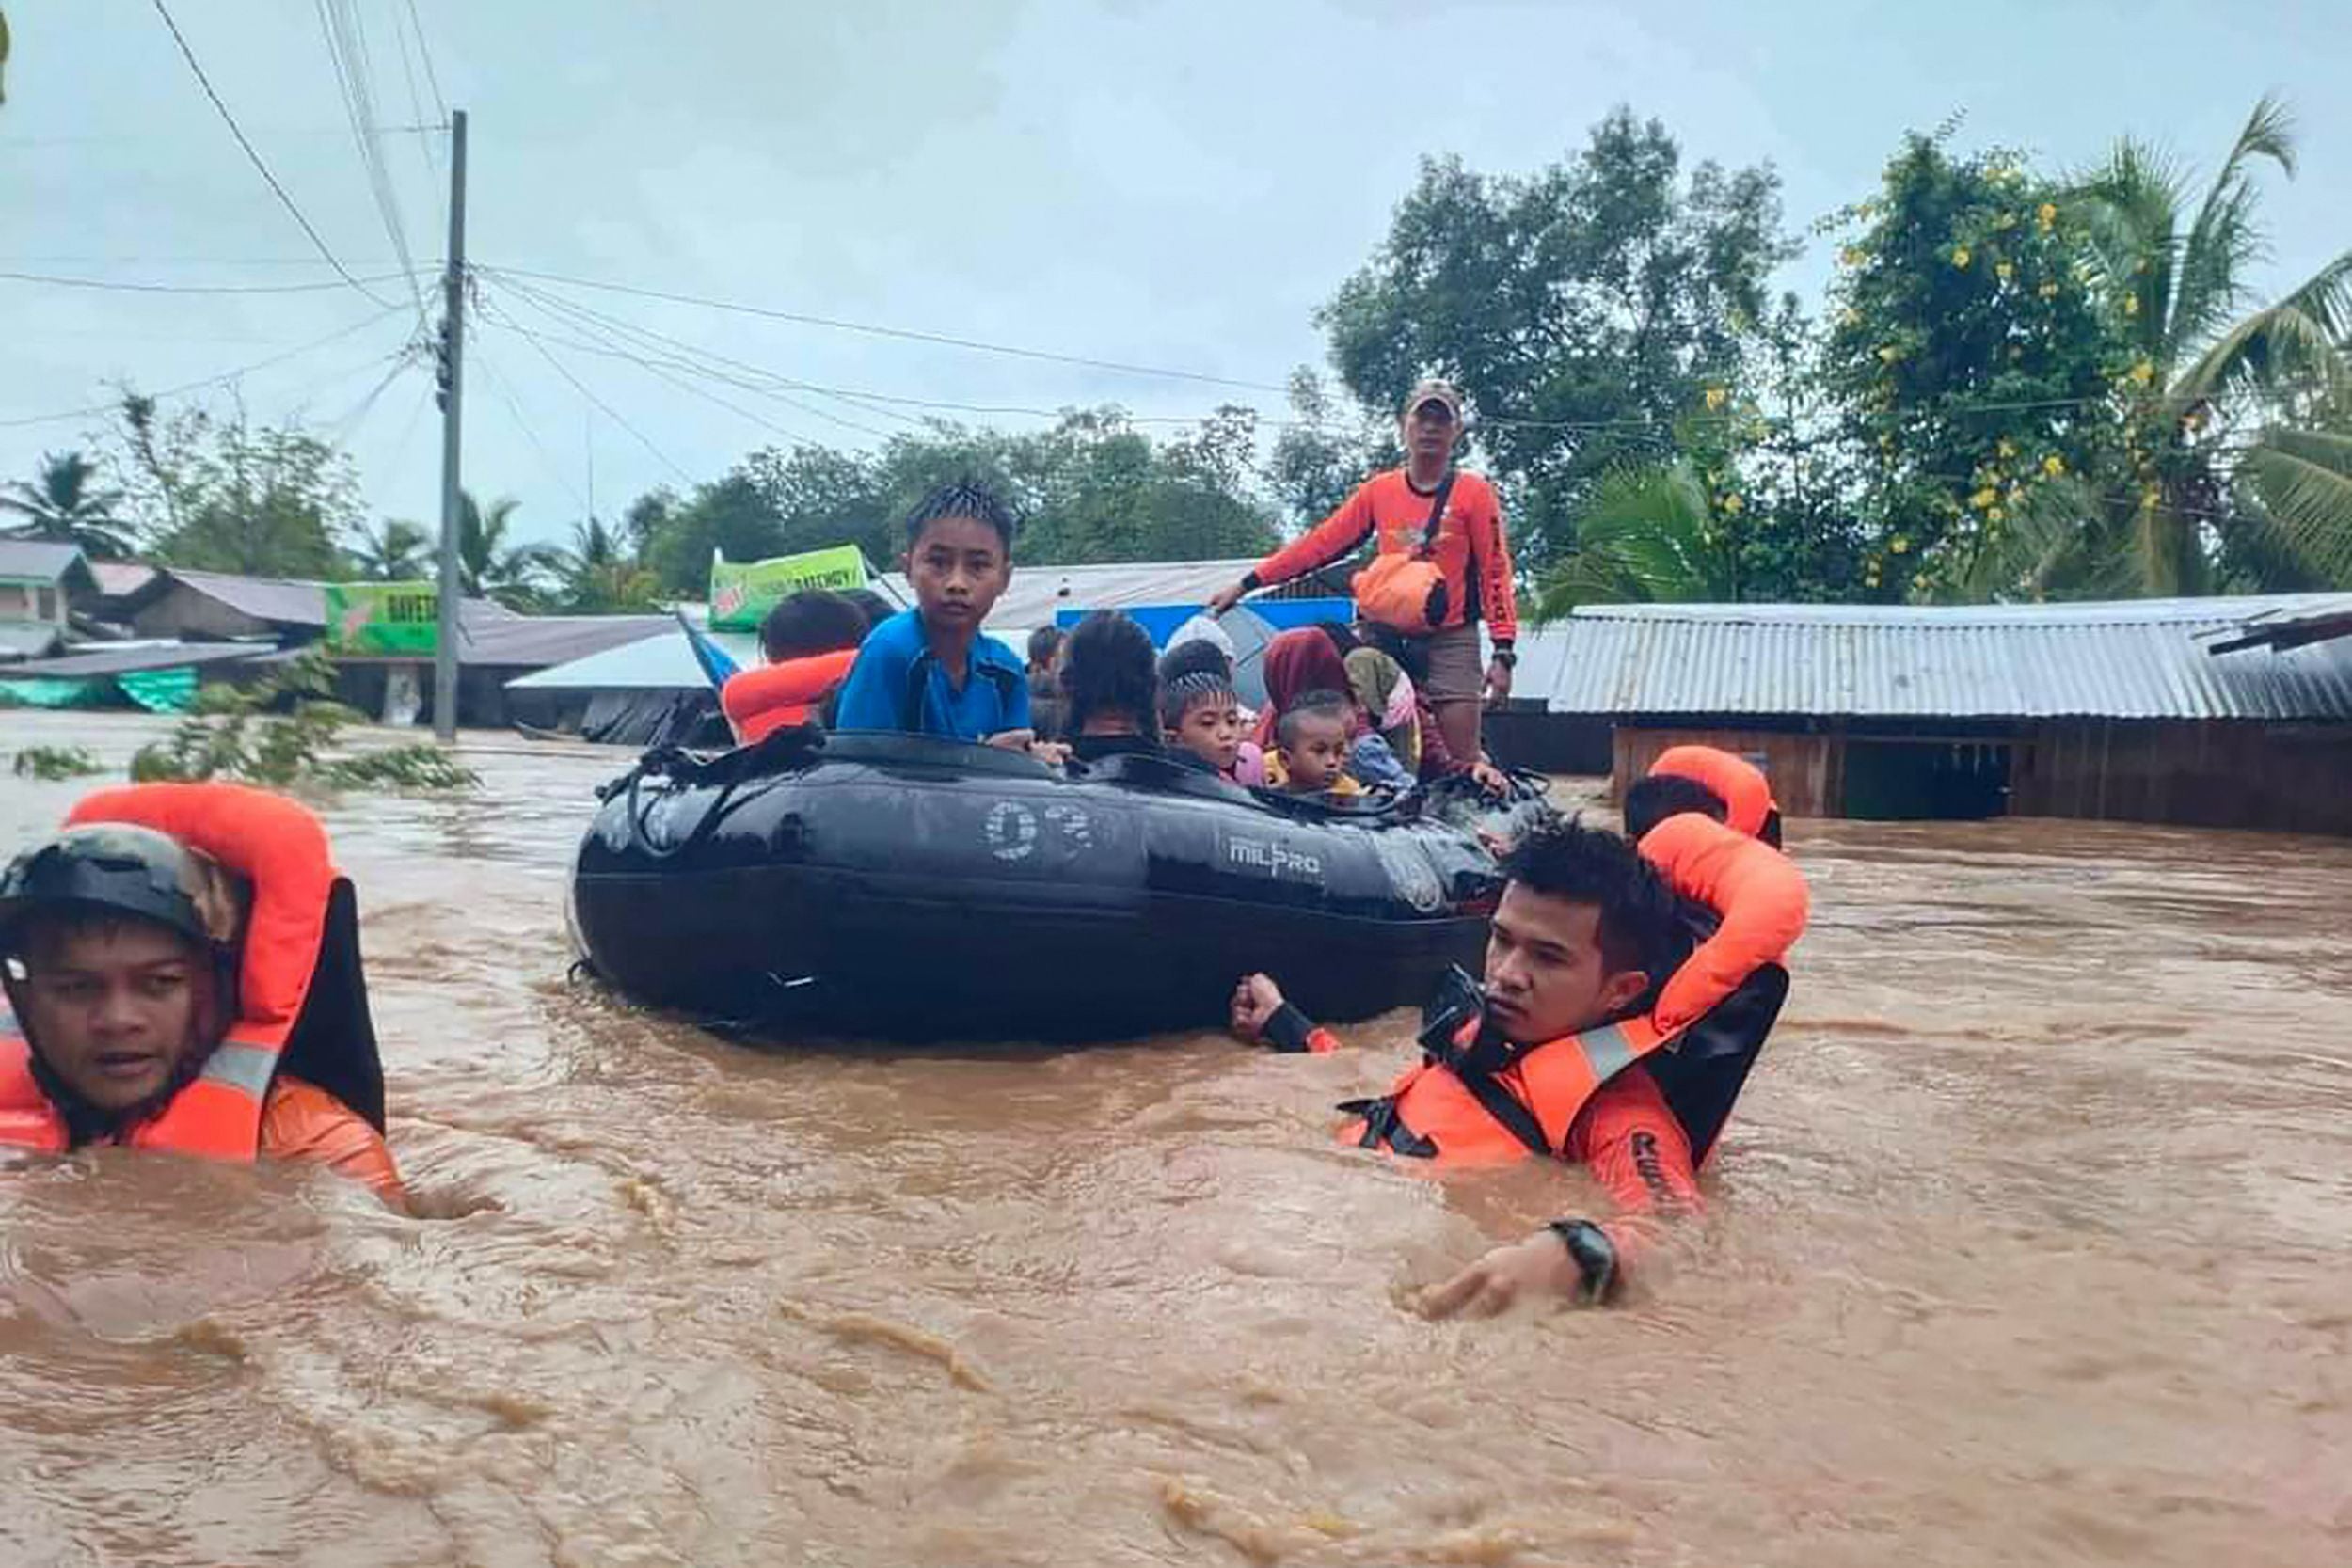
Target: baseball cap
point(1434, 390)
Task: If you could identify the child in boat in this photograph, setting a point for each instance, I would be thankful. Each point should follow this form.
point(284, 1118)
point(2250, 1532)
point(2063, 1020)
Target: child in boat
point(1310, 743)
point(1201, 712)
point(811, 638)
point(1312, 659)
point(1045, 699)
point(1110, 688)
point(930, 670)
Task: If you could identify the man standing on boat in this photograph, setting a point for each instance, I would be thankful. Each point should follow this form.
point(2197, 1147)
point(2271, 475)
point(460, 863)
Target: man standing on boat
point(1442, 565)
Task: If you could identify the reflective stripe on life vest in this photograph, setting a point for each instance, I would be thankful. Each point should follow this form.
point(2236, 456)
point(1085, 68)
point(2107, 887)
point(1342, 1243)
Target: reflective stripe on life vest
point(776, 696)
point(1462, 1116)
point(1742, 785)
point(280, 848)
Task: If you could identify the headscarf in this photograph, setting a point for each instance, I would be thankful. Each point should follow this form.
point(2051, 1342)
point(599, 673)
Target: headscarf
point(1386, 692)
point(1296, 663)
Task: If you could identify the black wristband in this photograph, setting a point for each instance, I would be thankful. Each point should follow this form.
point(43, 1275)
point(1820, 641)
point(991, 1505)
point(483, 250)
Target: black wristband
point(1249, 583)
point(1596, 1257)
point(1504, 657)
point(1288, 1030)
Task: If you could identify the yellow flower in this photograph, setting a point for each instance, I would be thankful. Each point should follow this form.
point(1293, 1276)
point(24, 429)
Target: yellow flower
point(1849, 317)
point(1850, 256)
point(2150, 495)
point(2054, 466)
point(1994, 514)
point(2004, 271)
point(2009, 447)
point(2131, 305)
point(2143, 372)
point(1959, 256)
point(1715, 399)
point(2047, 291)
point(1898, 543)
point(1733, 504)
point(2047, 215)
point(1889, 354)
point(1983, 498)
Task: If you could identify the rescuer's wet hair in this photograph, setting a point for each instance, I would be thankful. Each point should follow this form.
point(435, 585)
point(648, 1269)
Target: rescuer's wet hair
point(813, 621)
point(1653, 800)
point(1561, 858)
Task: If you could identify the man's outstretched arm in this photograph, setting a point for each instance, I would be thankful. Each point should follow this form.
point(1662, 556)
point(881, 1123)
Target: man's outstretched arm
point(1628, 1135)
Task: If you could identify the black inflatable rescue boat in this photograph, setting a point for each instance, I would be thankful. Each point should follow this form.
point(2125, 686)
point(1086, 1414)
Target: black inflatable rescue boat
point(902, 887)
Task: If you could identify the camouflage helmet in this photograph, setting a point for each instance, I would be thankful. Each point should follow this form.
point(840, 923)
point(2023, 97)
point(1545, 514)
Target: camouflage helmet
point(133, 870)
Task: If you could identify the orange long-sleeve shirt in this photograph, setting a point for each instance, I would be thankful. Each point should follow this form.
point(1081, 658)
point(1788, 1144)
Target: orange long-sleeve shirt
point(1472, 550)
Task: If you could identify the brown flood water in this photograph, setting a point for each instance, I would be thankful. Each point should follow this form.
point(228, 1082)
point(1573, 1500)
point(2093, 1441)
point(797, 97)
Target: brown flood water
point(2029, 1246)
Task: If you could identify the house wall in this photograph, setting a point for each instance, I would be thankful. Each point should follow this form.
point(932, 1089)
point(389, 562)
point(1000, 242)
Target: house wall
point(1804, 768)
point(38, 603)
point(2230, 773)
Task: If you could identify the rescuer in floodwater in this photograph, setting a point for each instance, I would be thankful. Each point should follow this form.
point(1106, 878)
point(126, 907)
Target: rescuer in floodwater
point(1626, 993)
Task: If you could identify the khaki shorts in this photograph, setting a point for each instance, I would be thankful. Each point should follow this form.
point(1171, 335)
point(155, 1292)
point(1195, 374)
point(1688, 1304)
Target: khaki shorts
point(1456, 673)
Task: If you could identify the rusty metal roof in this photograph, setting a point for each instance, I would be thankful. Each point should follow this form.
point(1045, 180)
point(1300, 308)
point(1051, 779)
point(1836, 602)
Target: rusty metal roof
point(39, 561)
point(2143, 658)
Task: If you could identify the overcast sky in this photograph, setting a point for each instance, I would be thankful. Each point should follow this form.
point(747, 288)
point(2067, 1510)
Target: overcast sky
point(1175, 186)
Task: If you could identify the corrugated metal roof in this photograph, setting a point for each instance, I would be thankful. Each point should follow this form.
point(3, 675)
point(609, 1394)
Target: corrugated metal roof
point(120, 579)
point(539, 641)
point(26, 640)
point(283, 601)
point(2291, 628)
point(2116, 659)
point(90, 663)
point(38, 561)
point(662, 662)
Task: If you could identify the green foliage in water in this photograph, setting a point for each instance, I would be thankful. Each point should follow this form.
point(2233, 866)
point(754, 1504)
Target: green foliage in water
point(57, 762)
point(282, 732)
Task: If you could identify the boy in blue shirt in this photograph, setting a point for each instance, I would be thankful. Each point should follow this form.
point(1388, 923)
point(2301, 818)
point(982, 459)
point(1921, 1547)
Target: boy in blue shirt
point(930, 670)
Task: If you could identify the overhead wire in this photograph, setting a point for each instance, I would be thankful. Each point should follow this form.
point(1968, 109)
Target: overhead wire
point(431, 77)
point(111, 285)
point(504, 391)
point(506, 322)
point(222, 379)
point(581, 387)
point(347, 52)
point(254, 156)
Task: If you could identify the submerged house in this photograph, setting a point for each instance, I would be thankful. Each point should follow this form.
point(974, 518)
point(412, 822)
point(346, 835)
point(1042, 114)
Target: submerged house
point(2217, 712)
point(41, 585)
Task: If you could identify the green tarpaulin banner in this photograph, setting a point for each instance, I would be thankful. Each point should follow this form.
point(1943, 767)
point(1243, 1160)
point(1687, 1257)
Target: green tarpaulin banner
point(383, 618)
point(50, 692)
point(160, 690)
point(743, 594)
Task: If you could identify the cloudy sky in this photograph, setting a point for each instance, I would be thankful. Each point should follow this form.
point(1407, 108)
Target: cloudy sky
point(1172, 185)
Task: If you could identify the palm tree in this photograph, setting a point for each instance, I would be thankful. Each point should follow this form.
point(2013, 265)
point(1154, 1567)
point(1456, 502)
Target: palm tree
point(516, 575)
point(599, 575)
point(1647, 534)
point(393, 552)
point(60, 507)
point(2236, 419)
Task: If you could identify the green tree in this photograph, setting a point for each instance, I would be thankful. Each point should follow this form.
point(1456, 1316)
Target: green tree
point(217, 493)
point(1582, 309)
point(1970, 357)
point(516, 575)
point(392, 551)
point(731, 515)
point(2235, 418)
point(599, 577)
point(62, 507)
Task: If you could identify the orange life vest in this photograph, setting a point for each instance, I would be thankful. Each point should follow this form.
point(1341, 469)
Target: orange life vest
point(1465, 1106)
point(282, 849)
point(1740, 783)
point(1466, 1114)
point(760, 702)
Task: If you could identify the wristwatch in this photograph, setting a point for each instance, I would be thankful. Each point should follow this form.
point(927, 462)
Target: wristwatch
point(1596, 1257)
point(1506, 657)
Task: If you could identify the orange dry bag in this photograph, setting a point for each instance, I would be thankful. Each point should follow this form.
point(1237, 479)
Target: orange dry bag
point(1407, 591)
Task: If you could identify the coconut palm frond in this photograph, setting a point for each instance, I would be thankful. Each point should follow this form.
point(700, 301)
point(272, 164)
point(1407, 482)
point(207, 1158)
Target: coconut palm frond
point(2295, 341)
point(2300, 481)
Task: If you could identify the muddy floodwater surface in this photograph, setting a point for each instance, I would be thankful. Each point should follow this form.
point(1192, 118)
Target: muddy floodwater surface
point(2030, 1245)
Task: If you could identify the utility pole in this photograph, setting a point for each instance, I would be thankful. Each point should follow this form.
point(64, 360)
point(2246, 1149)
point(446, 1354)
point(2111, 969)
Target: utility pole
point(453, 388)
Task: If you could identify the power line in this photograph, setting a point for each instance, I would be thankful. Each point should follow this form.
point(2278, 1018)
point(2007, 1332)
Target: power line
point(115, 286)
point(871, 329)
point(224, 377)
point(565, 371)
point(507, 323)
point(432, 78)
point(347, 51)
point(514, 407)
point(252, 155)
